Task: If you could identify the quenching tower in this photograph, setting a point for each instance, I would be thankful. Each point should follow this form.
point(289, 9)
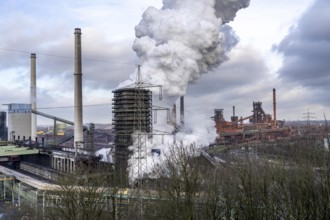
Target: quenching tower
point(132, 112)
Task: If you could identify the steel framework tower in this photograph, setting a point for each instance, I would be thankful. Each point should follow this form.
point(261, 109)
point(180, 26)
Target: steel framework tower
point(132, 120)
point(132, 113)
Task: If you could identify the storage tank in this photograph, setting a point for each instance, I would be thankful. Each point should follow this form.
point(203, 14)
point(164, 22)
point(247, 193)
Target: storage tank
point(19, 121)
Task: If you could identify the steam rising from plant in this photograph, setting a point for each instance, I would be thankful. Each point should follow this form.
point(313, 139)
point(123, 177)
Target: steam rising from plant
point(183, 40)
point(176, 45)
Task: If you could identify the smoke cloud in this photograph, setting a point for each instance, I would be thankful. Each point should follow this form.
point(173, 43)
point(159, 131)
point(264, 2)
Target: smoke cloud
point(176, 45)
point(226, 10)
point(183, 40)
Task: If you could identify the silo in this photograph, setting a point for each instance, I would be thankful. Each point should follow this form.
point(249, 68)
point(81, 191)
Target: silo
point(19, 121)
point(132, 111)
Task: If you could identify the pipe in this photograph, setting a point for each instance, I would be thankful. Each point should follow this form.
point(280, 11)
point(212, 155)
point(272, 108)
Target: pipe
point(33, 95)
point(78, 112)
point(182, 110)
point(274, 107)
point(234, 111)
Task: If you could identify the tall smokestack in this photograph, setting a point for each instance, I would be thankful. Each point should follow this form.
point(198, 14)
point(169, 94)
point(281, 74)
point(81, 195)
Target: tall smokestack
point(274, 107)
point(33, 95)
point(78, 112)
point(234, 118)
point(182, 110)
point(173, 116)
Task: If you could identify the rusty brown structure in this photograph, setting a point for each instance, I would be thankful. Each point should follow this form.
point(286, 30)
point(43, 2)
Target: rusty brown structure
point(260, 126)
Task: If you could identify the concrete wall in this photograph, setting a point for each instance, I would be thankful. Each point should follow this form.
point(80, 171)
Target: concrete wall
point(39, 170)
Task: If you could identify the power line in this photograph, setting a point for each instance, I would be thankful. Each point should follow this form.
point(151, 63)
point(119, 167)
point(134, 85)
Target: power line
point(72, 106)
point(308, 116)
point(67, 57)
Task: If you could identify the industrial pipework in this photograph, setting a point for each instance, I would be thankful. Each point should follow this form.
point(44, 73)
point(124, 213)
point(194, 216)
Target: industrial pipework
point(78, 111)
point(33, 96)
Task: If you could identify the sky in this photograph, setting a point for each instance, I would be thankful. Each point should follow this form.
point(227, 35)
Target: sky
point(282, 44)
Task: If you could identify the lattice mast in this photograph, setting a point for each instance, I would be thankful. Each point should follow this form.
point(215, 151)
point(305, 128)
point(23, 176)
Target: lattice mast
point(140, 147)
point(132, 111)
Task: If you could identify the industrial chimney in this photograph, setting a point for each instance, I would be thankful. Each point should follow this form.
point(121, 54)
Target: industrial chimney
point(78, 112)
point(274, 107)
point(234, 118)
point(182, 110)
point(173, 116)
point(33, 96)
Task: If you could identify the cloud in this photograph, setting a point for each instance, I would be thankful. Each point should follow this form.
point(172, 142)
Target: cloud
point(48, 30)
point(108, 58)
point(306, 52)
point(106, 61)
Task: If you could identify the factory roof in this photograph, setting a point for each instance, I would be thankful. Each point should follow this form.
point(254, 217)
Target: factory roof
point(12, 150)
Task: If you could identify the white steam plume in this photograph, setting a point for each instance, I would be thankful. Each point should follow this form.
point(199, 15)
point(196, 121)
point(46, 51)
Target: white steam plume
point(176, 45)
point(182, 40)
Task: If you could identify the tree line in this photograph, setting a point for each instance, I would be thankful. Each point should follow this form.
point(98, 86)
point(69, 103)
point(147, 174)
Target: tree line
point(287, 180)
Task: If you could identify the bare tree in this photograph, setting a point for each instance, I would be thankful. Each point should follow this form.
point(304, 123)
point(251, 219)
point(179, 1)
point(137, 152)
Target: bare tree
point(86, 194)
point(293, 183)
point(178, 185)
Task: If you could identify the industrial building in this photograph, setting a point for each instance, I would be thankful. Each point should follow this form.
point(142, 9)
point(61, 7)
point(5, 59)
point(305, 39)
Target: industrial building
point(132, 112)
point(53, 156)
point(261, 126)
point(19, 121)
point(33, 163)
point(43, 162)
point(49, 155)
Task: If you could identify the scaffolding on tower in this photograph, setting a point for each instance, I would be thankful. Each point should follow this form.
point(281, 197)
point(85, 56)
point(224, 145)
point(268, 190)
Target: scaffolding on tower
point(132, 120)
